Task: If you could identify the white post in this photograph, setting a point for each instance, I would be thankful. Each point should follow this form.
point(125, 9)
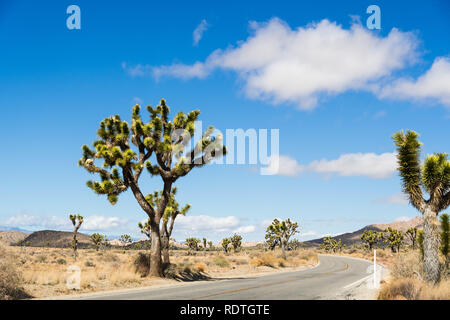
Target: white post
point(375, 268)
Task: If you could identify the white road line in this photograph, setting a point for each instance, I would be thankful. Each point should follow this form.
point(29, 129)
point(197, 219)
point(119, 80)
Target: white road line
point(358, 282)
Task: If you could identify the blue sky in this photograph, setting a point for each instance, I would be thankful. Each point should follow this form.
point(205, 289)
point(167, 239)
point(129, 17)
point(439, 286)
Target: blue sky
point(277, 67)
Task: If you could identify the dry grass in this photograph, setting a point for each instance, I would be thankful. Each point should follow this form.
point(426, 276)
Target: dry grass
point(10, 277)
point(406, 282)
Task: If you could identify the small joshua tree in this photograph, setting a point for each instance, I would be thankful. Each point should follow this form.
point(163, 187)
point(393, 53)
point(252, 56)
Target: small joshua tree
point(204, 243)
point(126, 239)
point(192, 244)
point(411, 233)
point(433, 178)
point(445, 236)
point(225, 243)
point(294, 244)
point(126, 151)
point(371, 237)
point(330, 244)
point(77, 220)
point(236, 242)
point(281, 231)
point(97, 239)
point(210, 245)
point(394, 239)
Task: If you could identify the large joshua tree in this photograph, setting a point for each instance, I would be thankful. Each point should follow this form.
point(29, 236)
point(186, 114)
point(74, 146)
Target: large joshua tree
point(126, 151)
point(431, 177)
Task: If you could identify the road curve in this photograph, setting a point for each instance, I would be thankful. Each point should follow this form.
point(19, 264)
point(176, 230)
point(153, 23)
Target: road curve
point(325, 281)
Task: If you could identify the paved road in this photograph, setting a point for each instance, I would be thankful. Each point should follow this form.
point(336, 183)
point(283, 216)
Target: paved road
point(322, 282)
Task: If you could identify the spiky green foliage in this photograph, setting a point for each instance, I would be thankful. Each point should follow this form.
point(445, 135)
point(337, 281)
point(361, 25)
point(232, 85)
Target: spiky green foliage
point(371, 237)
point(394, 239)
point(210, 245)
point(225, 243)
point(420, 241)
point(126, 239)
point(97, 239)
point(433, 176)
point(236, 242)
point(145, 228)
point(166, 140)
point(193, 243)
point(280, 232)
point(331, 245)
point(411, 233)
point(204, 243)
point(294, 244)
point(445, 235)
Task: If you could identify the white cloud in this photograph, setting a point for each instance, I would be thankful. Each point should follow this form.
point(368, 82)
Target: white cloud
point(92, 223)
point(198, 32)
point(402, 219)
point(101, 223)
point(398, 198)
point(136, 71)
point(283, 166)
point(245, 229)
point(202, 223)
point(358, 164)
point(307, 234)
point(353, 164)
point(434, 84)
point(297, 66)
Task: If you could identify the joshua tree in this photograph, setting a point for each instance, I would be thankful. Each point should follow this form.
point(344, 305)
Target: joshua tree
point(97, 240)
point(192, 243)
point(294, 244)
point(445, 235)
point(225, 244)
point(281, 231)
point(77, 220)
point(330, 244)
point(411, 233)
point(371, 238)
point(126, 239)
point(432, 177)
point(204, 243)
point(394, 239)
point(210, 245)
point(166, 141)
point(236, 242)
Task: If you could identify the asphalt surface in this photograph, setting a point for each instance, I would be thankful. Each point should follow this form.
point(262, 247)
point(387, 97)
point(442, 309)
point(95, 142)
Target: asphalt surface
point(326, 281)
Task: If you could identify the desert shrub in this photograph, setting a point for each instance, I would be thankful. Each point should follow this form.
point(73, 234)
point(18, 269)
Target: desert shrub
point(61, 261)
point(240, 262)
point(89, 264)
point(221, 261)
point(110, 257)
point(269, 260)
point(141, 264)
point(200, 267)
point(257, 262)
point(10, 278)
point(400, 289)
point(41, 258)
point(407, 266)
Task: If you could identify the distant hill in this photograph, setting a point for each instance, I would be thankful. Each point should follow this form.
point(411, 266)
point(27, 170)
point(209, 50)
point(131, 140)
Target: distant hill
point(10, 237)
point(351, 238)
point(4, 228)
point(55, 239)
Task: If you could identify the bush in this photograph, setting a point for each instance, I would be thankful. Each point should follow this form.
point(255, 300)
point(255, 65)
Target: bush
point(10, 278)
point(407, 266)
point(141, 264)
point(221, 261)
point(401, 289)
point(200, 267)
point(41, 258)
point(61, 261)
point(89, 264)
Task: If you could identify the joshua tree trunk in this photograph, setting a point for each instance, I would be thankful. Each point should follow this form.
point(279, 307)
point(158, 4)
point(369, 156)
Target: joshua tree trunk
point(431, 246)
point(155, 251)
point(165, 250)
point(283, 249)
